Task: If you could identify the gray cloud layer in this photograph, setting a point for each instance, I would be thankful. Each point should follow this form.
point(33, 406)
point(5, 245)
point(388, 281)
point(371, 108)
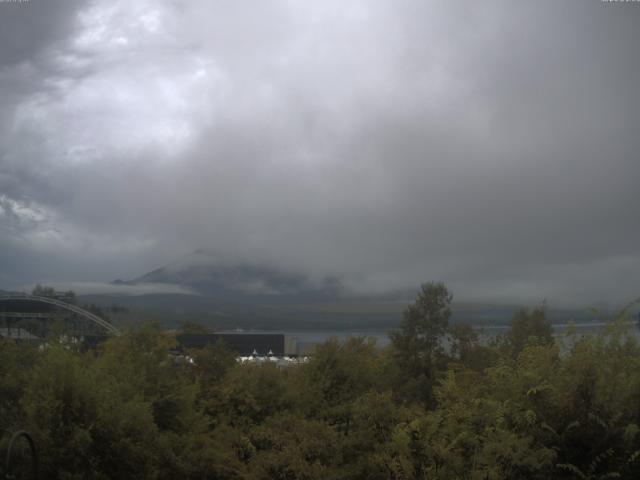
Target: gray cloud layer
point(492, 145)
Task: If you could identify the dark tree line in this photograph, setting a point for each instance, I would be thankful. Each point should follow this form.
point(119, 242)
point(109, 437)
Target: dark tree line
point(522, 407)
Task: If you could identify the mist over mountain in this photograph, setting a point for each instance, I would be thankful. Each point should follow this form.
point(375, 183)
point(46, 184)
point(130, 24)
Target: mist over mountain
point(237, 280)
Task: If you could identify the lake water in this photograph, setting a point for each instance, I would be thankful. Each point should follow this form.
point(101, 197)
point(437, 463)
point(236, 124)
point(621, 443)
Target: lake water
point(311, 337)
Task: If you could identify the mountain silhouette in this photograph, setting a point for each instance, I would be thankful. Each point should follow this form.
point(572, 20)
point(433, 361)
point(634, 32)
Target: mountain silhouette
point(238, 281)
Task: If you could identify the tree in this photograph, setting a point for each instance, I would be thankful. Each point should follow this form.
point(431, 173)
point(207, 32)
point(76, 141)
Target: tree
point(336, 376)
point(288, 446)
point(417, 342)
point(191, 326)
point(86, 424)
point(529, 326)
point(43, 291)
point(463, 340)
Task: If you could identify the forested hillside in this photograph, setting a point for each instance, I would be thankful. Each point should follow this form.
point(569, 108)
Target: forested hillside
point(526, 406)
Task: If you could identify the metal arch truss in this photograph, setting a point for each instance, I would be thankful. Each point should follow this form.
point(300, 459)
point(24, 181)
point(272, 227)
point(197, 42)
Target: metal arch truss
point(67, 306)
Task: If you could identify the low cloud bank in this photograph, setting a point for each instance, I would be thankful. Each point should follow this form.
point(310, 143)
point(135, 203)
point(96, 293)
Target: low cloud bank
point(95, 288)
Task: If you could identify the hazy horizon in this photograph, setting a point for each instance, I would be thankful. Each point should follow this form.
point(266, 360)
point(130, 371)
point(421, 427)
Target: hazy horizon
point(493, 146)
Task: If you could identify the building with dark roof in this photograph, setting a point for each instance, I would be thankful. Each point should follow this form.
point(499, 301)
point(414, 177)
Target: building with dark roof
point(243, 344)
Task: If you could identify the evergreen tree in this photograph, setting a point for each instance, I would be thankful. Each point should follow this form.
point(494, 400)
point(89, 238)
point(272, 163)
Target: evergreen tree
point(417, 342)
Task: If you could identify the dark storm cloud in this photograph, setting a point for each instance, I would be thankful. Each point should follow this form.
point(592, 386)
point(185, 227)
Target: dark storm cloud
point(28, 29)
point(491, 145)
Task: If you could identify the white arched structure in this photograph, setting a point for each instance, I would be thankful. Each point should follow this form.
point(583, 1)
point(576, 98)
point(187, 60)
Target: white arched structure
point(67, 306)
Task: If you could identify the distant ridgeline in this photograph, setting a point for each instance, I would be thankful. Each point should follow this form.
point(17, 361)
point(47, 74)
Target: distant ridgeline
point(205, 274)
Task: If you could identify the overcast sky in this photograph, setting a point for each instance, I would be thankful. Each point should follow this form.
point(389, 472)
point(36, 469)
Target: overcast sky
point(493, 145)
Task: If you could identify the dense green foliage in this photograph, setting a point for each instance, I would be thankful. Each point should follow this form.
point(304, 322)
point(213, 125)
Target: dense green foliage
point(525, 406)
